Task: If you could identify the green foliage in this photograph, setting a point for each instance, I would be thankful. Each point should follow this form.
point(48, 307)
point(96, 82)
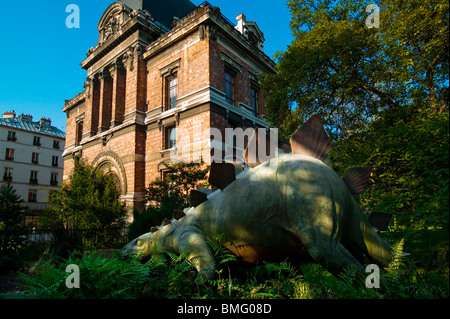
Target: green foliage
point(151, 216)
point(221, 254)
point(381, 93)
point(179, 180)
point(164, 196)
point(350, 74)
point(100, 277)
point(12, 227)
point(409, 156)
point(173, 277)
point(89, 201)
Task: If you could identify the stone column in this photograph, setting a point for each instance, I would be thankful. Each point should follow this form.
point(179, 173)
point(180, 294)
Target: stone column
point(118, 73)
point(90, 124)
point(106, 86)
point(136, 80)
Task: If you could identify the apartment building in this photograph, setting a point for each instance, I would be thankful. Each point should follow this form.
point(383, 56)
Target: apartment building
point(31, 159)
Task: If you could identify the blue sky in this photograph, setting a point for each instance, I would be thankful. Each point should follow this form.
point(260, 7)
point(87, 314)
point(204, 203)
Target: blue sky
point(41, 57)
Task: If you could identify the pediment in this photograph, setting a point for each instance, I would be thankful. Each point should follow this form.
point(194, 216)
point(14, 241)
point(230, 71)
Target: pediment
point(112, 20)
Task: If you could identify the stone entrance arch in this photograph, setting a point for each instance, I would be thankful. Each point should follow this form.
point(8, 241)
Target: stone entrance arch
point(110, 163)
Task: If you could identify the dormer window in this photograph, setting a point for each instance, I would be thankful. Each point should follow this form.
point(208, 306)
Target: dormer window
point(253, 39)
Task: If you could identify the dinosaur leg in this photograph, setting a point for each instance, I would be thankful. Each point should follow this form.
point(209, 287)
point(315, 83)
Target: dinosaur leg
point(331, 254)
point(199, 255)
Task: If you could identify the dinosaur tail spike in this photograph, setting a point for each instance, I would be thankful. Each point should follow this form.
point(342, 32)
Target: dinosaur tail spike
point(357, 178)
point(311, 139)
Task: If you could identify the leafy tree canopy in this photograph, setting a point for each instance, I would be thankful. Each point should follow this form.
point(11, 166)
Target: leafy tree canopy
point(178, 181)
point(89, 200)
point(349, 73)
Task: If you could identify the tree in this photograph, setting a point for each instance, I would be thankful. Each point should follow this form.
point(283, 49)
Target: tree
point(13, 231)
point(381, 93)
point(179, 180)
point(349, 73)
point(166, 195)
point(410, 160)
point(89, 200)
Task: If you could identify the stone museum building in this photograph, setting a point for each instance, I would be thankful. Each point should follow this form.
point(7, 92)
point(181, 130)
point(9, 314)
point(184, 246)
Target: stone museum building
point(31, 160)
point(161, 75)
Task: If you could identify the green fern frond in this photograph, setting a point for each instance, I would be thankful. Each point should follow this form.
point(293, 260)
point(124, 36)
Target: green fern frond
point(397, 256)
point(221, 254)
point(215, 247)
point(174, 257)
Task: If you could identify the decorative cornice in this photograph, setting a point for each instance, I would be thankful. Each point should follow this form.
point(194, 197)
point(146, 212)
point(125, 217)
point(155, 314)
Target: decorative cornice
point(170, 68)
point(232, 63)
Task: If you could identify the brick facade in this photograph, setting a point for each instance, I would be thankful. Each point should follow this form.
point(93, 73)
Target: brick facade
point(147, 85)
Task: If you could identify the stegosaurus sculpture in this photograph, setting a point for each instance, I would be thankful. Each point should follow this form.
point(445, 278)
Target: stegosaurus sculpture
point(278, 208)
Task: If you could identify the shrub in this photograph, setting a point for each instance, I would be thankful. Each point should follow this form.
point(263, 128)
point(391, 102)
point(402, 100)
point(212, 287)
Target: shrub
point(89, 201)
point(12, 228)
point(172, 276)
point(100, 277)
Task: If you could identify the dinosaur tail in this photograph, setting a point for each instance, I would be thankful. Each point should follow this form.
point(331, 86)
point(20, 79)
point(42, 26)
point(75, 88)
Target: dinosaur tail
point(364, 232)
point(373, 244)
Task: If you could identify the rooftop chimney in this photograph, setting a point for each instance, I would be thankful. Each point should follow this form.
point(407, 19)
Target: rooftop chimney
point(26, 117)
point(9, 115)
point(46, 121)
point(241, 19)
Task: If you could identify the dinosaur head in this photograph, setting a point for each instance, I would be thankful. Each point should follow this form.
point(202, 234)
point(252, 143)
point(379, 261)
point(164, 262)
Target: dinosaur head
point(149, 243)
point(143, 245)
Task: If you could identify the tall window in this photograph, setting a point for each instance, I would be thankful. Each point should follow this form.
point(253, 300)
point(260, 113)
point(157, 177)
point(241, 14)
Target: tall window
point(254, 93)
point(56, 144)
point(172, 91)
point(7, 174)
point(54, 179)
point(37, 141)
point(9, 156)
point(34, 177)
point(79, 132)
point(35, 158)
point(171, 137)
point(229, 87)
point(12, 136)
point(54, 160)
point(32, 195)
